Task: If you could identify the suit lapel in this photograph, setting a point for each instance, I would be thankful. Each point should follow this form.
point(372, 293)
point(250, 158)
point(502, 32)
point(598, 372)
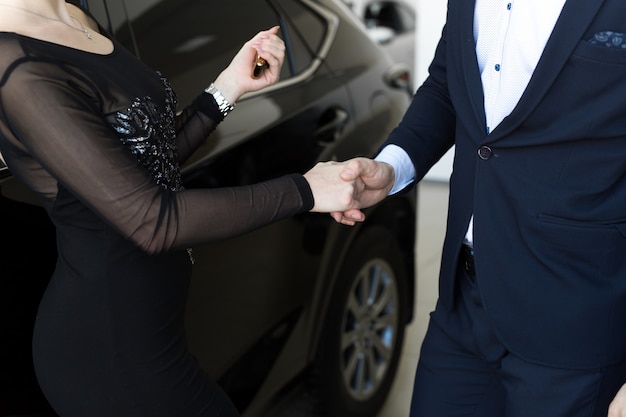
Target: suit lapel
point(568, 31)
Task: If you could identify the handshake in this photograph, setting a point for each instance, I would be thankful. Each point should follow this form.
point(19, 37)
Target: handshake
point(343, 189)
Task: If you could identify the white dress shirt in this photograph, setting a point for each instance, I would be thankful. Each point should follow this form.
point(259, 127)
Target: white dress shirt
point(510, 37)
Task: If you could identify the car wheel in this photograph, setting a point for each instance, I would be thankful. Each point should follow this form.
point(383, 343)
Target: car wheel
point(364, 329)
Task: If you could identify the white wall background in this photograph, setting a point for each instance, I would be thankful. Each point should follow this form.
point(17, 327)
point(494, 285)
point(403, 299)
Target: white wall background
point(431, 16)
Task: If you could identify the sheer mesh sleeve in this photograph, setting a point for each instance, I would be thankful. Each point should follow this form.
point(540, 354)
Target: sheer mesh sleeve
point(54, 136)
point(195, 123)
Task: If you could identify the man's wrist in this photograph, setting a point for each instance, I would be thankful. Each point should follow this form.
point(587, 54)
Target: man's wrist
point(401, 166)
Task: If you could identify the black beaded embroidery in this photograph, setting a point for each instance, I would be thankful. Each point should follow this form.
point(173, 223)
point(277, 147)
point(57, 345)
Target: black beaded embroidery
point(150, 134)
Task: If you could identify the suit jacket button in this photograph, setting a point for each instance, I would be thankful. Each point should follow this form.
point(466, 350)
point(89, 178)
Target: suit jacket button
point(485, 153)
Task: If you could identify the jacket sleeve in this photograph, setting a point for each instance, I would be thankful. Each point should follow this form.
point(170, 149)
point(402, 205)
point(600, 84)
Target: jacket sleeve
point(426, 131)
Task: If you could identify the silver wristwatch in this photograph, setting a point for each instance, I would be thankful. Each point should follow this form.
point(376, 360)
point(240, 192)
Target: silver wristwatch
point(223, 104)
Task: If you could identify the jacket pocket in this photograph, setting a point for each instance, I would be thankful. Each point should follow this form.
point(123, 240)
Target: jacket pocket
point(594, 248)
point(600, 54)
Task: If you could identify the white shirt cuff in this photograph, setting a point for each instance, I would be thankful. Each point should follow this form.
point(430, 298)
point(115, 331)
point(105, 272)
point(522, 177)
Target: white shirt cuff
point(402, 165)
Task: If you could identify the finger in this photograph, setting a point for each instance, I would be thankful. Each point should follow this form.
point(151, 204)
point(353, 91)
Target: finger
point(349, 173)
point(349, 217)
point(353, 169)
point(266, 33)
point(271, 31)
point(354, 215)
point(273, 46)
point(274, 30)
point(272, 56)
point(272, 51)
point(338, 217)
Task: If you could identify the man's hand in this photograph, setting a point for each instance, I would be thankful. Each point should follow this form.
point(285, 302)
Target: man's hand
point(373, 181)
point(618, 406)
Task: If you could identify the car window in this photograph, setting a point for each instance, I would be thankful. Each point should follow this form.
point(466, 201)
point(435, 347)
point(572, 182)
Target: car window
point(191, 41)
point(393, 15)
point(305, 33)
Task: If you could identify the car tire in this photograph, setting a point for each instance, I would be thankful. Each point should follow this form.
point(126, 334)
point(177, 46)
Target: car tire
point(364, 329)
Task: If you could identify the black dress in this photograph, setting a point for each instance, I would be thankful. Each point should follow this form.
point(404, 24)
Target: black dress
point(98, 139)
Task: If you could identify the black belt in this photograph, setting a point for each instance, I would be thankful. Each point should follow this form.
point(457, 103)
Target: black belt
point(467, 259)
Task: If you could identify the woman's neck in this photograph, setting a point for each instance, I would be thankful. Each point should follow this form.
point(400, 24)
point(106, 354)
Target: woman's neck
point(53, 21)
point(50, 9)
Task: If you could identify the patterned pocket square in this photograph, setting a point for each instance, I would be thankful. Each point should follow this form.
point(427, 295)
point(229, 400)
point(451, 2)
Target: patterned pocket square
point(609, 39)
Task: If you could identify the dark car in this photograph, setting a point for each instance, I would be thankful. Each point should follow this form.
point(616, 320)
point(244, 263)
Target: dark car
point(302, 309)
point(392, 24)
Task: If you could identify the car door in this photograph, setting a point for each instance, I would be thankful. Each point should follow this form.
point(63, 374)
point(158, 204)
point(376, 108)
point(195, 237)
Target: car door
point(247, 292)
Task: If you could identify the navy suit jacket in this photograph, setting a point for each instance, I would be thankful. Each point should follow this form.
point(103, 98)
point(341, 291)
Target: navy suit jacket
point(547, 187)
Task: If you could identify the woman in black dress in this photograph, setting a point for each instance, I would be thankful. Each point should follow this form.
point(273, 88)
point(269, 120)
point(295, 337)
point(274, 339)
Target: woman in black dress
point(96, 135)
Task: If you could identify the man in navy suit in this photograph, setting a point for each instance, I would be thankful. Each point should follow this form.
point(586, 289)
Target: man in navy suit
point(531, 315)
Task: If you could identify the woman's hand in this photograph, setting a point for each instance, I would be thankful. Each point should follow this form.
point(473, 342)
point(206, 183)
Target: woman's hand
point(237, 79)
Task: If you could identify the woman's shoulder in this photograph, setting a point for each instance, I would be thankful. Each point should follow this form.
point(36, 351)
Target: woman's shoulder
point(24, 56)
point(16, 48)
point(9, 38)
point(11, 51)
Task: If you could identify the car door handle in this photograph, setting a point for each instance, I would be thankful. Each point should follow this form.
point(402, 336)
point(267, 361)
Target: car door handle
point(331, 123)
point(399, 77)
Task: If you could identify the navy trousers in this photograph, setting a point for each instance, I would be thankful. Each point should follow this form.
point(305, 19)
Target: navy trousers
point(464, 370)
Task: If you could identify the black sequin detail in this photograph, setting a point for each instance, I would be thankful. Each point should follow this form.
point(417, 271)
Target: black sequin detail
point(149, 132)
